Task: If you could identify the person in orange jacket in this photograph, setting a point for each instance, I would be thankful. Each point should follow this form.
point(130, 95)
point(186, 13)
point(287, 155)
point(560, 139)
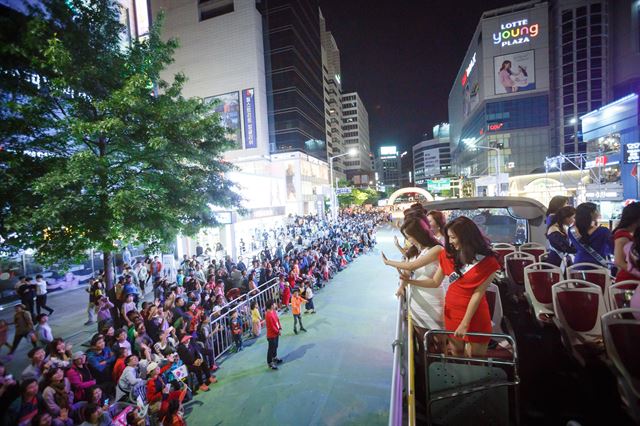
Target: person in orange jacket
point(296, 301)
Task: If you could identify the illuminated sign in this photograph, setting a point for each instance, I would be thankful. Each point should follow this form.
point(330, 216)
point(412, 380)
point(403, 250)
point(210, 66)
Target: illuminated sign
point(249, 110)
point(599, 161)
point(516, 32)
point(495, 127)
point(467, 72)
point(632, 153)
point(388, 150)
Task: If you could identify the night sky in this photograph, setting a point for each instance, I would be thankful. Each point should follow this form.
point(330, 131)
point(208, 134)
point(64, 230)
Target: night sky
point(402, 59)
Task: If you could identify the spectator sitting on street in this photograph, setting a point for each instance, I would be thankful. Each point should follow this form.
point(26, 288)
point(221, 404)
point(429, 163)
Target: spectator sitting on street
point(59, 353)
point(27, 405)
point(101, 359)
point(37, 366)
point(57, 395)
point(79, 376)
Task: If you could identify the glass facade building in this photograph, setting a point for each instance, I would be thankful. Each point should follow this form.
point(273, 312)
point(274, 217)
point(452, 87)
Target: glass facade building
point(294, 76)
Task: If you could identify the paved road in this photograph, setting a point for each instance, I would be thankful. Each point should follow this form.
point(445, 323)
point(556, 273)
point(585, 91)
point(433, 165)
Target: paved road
point(339, 373)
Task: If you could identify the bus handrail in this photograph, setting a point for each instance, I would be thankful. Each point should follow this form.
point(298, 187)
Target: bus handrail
point(397, 379)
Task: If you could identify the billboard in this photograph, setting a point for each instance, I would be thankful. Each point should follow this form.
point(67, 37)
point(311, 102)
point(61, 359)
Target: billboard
point(228, 108)
point(514, 72)
point(249, 112)
point(388, 150)
point(431, 162)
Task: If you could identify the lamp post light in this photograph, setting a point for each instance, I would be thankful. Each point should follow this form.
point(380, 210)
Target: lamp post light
point(351, 153)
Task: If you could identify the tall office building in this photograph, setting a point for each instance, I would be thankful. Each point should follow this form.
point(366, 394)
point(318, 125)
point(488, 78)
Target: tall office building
point(388, 167)
point(432, 157)
point(530, 72)
point(294, 75)
point(355, 128)
point(332, 84)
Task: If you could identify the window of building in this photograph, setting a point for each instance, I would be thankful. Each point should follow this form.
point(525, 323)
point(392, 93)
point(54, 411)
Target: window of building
point(567, 38)
point(596, 30)
point(581, 65)
point(567, 79)
point(596, 8)
point(581, 75)
point(596, 73)
point(581, 11)
point(567, 69)
point(567, 59)
point(567, 16)
point(582, 86)
point(208, 9)
point(581, 33)
point(581, 44)
point(581, 22)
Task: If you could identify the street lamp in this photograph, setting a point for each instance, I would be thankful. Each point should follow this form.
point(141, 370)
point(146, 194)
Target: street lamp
point(472, 144)
point(351, 153)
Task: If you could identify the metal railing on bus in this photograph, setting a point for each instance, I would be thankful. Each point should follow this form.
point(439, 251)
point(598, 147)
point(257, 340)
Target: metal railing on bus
point(221, 341)
point(398, 371)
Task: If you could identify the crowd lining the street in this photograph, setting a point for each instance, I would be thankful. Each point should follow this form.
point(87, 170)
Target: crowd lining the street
point(165, 350)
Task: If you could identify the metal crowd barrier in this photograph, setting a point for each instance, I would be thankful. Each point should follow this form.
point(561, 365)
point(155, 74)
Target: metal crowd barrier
point(222, 340)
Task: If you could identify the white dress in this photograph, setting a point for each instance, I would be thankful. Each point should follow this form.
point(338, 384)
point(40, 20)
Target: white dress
point(427, 303)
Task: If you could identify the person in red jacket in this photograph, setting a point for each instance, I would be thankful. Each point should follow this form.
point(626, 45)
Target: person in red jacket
point(273, 332)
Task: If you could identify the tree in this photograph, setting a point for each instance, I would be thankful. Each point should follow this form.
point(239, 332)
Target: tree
point(97, 149)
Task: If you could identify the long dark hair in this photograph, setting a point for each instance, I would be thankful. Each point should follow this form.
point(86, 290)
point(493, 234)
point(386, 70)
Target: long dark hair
point(419, 229)
point(438, 218)
point(560, 216)
point(556, 203)
point(470, 239)
point(504, 66)
point(584, 218)
point(630, 216)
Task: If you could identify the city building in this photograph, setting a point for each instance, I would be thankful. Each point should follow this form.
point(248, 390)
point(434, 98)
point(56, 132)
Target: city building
point(388, 168)
point(294, 73)
point(499, 101)
point(262, 62)
point(355, 128)
point(612, 137)
point(332, 93)
point(530, 72)
point(432, 157)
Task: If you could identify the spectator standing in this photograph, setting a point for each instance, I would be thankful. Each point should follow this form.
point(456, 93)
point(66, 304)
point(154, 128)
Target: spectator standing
point(24, 327)
point(256, 320)
point(273, 333)
point(25, 289)
point(236, 330)
point(43, 330)
point(296, 301)
point(195, 361)
point(41, 295)
point(308, 293)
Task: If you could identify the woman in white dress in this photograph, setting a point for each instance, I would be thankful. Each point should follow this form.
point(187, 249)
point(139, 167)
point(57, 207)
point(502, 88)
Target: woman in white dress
point(426, 303)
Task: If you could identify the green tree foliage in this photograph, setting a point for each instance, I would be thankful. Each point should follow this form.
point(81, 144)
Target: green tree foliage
point(92, 153)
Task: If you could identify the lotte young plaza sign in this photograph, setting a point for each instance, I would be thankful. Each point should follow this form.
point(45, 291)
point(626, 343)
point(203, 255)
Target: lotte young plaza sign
point(515, 32)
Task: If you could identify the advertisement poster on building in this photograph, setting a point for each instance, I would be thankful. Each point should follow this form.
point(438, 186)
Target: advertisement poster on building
point(290, 176)
point(432, 162)
point(228, 108)
point(249, 112)
point(514, 72)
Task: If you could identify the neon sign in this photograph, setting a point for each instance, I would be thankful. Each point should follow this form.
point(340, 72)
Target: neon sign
point(495, 127)
point(467, 71)
point(516, 32)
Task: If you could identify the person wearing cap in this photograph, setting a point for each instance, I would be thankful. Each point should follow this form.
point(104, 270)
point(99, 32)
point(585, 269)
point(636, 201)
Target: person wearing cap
point(130, 377)
point(79, 376)
point(159, 393)
point(196, 362)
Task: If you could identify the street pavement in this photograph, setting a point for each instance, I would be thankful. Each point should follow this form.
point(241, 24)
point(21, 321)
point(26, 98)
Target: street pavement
point(338, 373)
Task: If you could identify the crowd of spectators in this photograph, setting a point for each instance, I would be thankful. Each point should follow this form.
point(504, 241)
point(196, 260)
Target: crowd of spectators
point(164, 349)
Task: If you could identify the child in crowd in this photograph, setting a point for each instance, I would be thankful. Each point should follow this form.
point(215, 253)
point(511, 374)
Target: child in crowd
point(308, 293)
point(43, 330)
point(256, 320)
point(296, 301)
point(286, 296)
point(236, 329)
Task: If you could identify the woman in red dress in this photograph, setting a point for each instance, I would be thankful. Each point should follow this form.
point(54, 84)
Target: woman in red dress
point(622, 234)
point(471, 266)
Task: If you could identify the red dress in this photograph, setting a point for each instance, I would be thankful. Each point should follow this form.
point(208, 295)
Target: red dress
point(624, 274)
point(459, 294)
